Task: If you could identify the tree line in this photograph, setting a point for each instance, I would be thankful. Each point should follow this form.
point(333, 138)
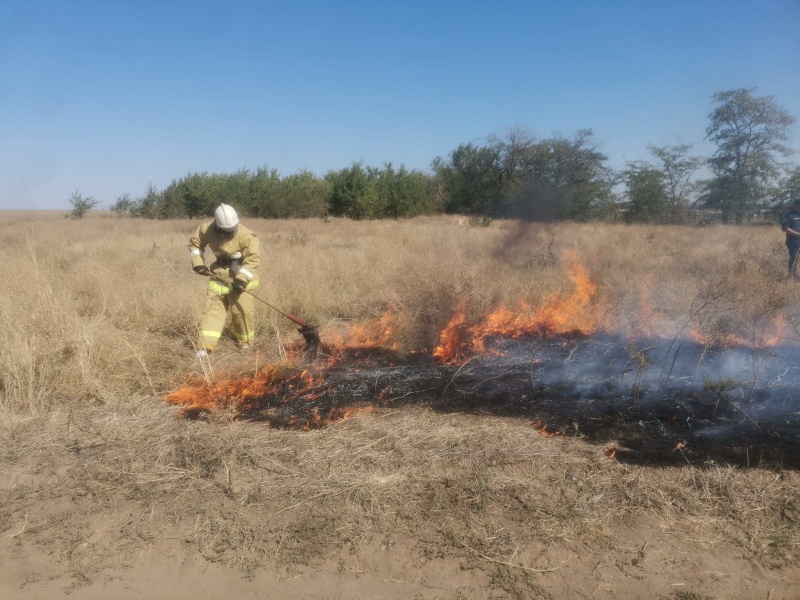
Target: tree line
point(517, 174)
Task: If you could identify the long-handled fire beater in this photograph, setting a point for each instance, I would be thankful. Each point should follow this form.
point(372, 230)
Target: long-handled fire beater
point(309, 332)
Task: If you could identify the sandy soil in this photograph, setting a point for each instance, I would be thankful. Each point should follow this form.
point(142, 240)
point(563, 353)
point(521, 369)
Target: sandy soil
point(63, 533)
point(168, 570)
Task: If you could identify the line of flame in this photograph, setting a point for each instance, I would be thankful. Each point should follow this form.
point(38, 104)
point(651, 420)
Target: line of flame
point(577, 313)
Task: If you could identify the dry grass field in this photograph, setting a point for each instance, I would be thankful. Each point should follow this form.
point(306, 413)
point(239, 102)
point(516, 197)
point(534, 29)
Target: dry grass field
point(106, 490)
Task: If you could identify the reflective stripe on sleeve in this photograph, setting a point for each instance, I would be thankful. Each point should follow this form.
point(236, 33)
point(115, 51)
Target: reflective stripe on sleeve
point(196, 252)
point(246, 273)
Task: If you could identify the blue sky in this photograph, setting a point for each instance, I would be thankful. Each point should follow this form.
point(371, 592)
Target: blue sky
point(107, 96)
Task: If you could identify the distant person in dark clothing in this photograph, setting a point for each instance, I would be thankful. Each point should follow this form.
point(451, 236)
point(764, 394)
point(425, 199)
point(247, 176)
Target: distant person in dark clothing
point(790, 223)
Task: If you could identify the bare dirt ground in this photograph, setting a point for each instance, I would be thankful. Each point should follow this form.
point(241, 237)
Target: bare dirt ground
point(375, 572)
point(492, 509)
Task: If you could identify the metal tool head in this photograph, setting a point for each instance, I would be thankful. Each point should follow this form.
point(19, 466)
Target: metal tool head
point(310, 334)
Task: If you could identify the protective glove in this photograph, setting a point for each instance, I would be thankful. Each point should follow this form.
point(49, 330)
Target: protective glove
point(202, 270)
point(239, 284)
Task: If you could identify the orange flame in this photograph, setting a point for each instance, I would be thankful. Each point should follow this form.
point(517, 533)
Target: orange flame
point(780, 323)
point(450, 347)
point(560, 313)
point(577, 313)
point(197, 395)
point(371, 334)
point(754, 339)
point(541, 427)
point(248, 394)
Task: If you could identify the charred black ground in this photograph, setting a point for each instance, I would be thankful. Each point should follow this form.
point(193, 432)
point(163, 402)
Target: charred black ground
point(655, 401)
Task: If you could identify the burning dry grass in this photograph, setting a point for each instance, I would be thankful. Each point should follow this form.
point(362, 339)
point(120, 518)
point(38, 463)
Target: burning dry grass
point(111, 308)
point(106, 330)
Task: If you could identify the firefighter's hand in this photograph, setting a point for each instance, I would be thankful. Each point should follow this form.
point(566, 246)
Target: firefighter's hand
point(202, 270)
point(239, 284)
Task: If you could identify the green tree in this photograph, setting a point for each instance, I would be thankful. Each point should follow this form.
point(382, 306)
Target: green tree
point(265, 196)
point(234, 189)
point(402, 193)
point(787, 189)
point(147, 204)
point(646, 191)
point(520, 176)
point(752, 134)
point(353, 192)
point(581, 177)
point(473, 177)
point(677, 168)
point(516, 149)
point(80, 205)
point(305, 195)
point(189, 189)
point(122, 206)
point(169, 201)
point(791, 185)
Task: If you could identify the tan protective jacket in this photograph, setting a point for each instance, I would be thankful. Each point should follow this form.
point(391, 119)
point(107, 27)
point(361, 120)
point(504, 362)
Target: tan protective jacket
point(237, 255)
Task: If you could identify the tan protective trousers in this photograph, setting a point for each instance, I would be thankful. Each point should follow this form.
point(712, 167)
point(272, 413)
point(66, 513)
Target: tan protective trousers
point(241, 307)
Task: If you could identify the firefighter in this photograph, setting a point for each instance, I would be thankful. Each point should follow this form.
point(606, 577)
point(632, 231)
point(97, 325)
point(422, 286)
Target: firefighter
point(790, 223)
point(236, 256)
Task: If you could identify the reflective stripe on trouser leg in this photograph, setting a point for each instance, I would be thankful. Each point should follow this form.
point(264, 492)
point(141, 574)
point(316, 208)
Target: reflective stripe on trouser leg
point(214, 313)
point(242, 317)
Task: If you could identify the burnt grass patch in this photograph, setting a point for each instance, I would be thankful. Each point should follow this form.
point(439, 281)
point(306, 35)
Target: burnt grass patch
point(648, 401)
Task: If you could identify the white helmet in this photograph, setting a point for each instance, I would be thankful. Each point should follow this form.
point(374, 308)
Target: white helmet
point(226, 218)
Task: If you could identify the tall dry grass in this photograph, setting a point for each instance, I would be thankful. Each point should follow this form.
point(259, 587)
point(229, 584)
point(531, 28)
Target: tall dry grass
point(105, 310)
point(98, 319)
